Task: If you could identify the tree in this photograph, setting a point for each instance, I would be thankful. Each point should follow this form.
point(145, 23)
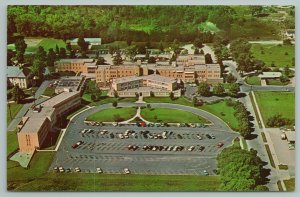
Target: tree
point(115, 104)
point(204, 89)
point(51, 57)
point(116, 95)
point(100, 61)
point(131, 52)
point(17, 94)
point(10, 55)
point(230, 78)
point(201, 52)
point(137, 96)
point(256, 10)
point(69, 47)
point(208, 59)
point(20, 49)
point(234, 89)
point(148, 106)
point(171, 95)
point(195, 101)
point(184, 52)
point(197, 52)
point(218, 89)
point(82, 44)
point(117, 59)
point(151, 60)
point(286, 71)
point(62, 53)
point(161, 47)
point(152, 94)
point(37, 68)
point(198, 43)
point(142, 49)
point(56, 50)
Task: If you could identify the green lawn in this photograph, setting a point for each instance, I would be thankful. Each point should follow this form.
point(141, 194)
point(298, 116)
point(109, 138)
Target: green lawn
point(275, 82)
point(170, 116)
point(290, 184)
point(253, 80)
point(274, 54)
point(12, 142)
point(50, 91)
point(46, 43)
point(180, 100)
point(36, 178)
point(224, 112)
point(113, 182)
point(271, 103)
point(12, 110)
point(109, 115)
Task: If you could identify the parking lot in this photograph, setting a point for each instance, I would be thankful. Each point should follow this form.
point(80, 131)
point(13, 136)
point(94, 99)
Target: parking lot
point(144, 150)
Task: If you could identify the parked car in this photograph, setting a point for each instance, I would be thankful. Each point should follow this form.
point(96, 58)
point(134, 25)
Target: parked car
point(220, 144)
point(191, 148)
point(205, 172)
point(126, 171)
point(208, 136)
point(84, 131)
point(99, 170)
point(61, 169)
point(201, 148)
point(199, 136)
point(77, 169)
point(75, 146)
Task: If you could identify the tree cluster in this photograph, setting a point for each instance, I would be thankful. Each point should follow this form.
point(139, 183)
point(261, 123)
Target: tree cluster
point(241, 114)
point(278, 121)
point(240, 170)
point(92, 89)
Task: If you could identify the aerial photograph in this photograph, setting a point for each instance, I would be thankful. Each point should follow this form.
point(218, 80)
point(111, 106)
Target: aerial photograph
point(150, 98)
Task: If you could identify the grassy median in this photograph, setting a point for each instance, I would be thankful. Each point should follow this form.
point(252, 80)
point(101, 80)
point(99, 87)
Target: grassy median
point(118, 114)
point(164, 115)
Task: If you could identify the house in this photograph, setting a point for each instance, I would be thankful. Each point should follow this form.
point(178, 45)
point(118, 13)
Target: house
point(17, 76)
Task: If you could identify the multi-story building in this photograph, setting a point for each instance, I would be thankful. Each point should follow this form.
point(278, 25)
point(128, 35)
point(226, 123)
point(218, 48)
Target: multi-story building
point(210, 73)
point(17, 76)
point(143, 85)
point(106, 73)
point(39, 121)
point(76, 65)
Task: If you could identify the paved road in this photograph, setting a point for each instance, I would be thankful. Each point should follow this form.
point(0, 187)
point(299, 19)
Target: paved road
point(247, 88)
point(112, 156)
point(13, 124)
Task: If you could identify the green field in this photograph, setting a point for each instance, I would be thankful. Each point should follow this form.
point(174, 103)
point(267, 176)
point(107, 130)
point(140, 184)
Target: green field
point(12, 110)
point(290, 184)
point(12, 142)
point(36, 178)
point(109, 115)
point(180, 100)
point(164, 115)
point(46, 43)
point(224, 112)
point(253, 80)
point(274, 54)
point(272, 103)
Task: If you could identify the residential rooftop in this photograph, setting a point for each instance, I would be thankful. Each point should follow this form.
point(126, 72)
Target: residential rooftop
point(14, 72)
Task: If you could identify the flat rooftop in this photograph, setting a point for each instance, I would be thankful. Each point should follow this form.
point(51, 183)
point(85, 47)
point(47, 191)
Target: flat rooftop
point(58, 99)
point(75, 61)
point(270, 75)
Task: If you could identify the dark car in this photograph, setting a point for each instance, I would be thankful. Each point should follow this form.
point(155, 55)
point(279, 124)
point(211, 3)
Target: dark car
point(201, 148)
point(75, 146)
point(208, 136)
point(179, 136)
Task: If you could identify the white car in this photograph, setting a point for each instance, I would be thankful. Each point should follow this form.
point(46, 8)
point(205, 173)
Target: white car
point(61, 169)
point(121, 136)
point(126, 171)
point(77, 169)
point(191, 148)
point(84, 131)
point(99, 170)
point(199, 136)
point(115, 124)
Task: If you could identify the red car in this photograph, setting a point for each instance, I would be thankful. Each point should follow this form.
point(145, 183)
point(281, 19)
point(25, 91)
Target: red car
point(220, 144)
point(75, 146)
point(143, 124)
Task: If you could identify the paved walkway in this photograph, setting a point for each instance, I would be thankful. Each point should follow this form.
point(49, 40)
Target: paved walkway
point(13, 124)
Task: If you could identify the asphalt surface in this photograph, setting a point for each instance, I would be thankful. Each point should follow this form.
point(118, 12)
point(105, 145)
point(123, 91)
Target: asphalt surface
point(112, 155)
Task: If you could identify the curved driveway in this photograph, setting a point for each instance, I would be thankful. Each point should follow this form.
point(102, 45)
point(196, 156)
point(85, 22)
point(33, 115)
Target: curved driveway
point(217, 122)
